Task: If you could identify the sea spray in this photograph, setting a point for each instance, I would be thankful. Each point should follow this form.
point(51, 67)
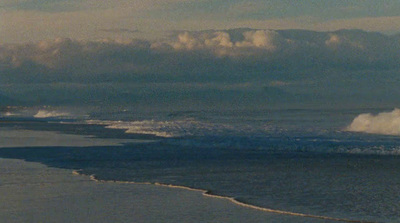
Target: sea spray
point(385, 123)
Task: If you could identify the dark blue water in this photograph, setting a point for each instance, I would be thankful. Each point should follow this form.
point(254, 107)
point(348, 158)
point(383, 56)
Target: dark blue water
point(293, 160)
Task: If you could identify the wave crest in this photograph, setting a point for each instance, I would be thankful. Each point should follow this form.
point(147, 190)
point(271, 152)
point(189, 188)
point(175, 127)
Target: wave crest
point(50, 114)
point(165, 129)
point(384, 123)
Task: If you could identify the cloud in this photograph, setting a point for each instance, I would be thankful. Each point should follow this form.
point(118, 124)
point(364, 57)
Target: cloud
point(227, 68)
point(385, 123)
point(265, 39)
point(262, 39)
point(73, 55)
point(206, 54)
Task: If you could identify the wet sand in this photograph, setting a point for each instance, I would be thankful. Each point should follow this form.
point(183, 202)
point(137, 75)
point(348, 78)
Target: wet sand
point(32, 192)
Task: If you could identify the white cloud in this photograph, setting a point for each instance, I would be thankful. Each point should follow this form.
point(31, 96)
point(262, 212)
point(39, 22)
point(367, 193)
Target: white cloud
point(187, 41)
point(63, 54)
point(225, 57)
point(336, 40)
point(333, 40)
point(260, 38)
point(221, 39)
point(263, 39)
point(199, 50)
point(36, 20)
point(385, 123)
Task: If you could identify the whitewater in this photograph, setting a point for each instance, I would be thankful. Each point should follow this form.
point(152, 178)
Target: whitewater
point(323, 164)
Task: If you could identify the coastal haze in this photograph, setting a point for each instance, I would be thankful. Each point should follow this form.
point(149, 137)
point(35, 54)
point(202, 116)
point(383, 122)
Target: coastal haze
point(271, 111)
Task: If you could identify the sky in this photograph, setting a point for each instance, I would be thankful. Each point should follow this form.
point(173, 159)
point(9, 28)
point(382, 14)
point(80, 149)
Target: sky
point(33, 20)
point(184, 53)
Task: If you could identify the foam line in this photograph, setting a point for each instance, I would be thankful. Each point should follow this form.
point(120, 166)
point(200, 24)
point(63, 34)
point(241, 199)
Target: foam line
point(208, 193)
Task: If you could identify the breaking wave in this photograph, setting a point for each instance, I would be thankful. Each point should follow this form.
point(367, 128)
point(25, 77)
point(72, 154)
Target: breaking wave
point(380, 150)
point(165, 129)
point(385, 123)
point(8, 114)
point(50, 114)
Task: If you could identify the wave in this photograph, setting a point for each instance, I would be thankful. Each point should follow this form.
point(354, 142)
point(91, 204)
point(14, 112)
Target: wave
point(32, 112)
point(385, 123)
point(8, 114)
point(10, 111)
point(208, 193)
point(371, 150)
point(50, 114)
point(165, 129)
point(203, 135)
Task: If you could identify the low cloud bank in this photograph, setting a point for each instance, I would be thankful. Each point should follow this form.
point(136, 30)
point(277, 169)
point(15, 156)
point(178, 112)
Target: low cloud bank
point(201, 52)
point(385, 123)
point(236, 67)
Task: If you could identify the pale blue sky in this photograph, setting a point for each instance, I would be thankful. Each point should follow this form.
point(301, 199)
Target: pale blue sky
point(33, 20)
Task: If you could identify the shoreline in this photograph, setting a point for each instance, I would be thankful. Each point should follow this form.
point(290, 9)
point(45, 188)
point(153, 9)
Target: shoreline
point(31, 191)
point(228, 204)
point(208, 193)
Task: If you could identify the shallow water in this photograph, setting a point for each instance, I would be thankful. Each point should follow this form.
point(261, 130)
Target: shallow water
point(294, 160)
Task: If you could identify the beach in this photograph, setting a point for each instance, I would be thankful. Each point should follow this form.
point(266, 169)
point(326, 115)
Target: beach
point(32, 192)
point(57, 176)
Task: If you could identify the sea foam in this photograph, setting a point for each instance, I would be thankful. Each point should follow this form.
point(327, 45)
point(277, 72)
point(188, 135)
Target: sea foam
point(165, 129)
point(385, 123)
point(50, 114)
point(8, 114)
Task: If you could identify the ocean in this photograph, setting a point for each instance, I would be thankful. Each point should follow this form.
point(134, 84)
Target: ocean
point(306, 162)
